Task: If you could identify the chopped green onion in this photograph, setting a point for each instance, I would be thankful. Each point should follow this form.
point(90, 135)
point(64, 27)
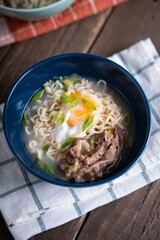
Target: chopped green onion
point(108, 131)
point(67, 82)
point(75, 102)
point(62, 119)
point(46, 167)
point(64, 87)
point(47, 112)
point(127, 144)
point(94, 119)
point(37, 95)
point(87, 123)
point(73, 78)
point(58, 115)
point(68, 142)
point(45, 148)
point(71, 169)
point(126, 120)
point(26, 117)
point(91, 143)
point(56, 78)
point(65, 99)
point(88, 103)
point(36, 160)
point(49, 83)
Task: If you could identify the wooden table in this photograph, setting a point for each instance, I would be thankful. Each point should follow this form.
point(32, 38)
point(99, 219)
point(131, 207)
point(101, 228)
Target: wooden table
point(136, 216)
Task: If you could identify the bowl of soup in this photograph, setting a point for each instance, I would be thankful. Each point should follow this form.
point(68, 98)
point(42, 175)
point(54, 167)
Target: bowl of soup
point(33, 9)
point(77, 120)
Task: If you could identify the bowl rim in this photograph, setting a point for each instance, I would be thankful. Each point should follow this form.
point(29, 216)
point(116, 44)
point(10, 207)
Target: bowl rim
point(70, 184)
point(21, 10)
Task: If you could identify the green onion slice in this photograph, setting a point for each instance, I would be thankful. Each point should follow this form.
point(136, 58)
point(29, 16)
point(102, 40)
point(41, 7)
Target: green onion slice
point(49, 83)
point(65, 99)
point(62, 119)
point(36, 160)
point(68, 142)
point(72, 168)
point(126, 120)
point(58, 115)
point(94, 119)
point(45, 148)
point(26, 116)
point(128, 144)
point(67, 82)
point(45, 166)
point(75, 102)
point(56, 78)
point(91, 143)
point(37, 95)
point(89, 104)
point(87, 123)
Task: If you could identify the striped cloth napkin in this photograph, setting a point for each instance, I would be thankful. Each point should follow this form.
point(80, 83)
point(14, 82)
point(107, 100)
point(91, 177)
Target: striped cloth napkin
point(30, 206)
point(12, 30)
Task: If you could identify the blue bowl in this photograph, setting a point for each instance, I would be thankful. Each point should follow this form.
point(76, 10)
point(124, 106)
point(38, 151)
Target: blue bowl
point(36, 13)
point(86, 65)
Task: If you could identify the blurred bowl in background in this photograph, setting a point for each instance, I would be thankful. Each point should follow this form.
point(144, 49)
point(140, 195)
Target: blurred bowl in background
point(36, 13)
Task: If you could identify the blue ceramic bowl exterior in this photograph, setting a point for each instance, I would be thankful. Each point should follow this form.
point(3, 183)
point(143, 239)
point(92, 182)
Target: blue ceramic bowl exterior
point(36, 13)
point(85, 65)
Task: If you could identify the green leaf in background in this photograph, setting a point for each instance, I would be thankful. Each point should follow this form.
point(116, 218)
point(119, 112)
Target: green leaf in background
point(89, 104)
point(36, 160)
point(58, 115)
point(75, 102)
point(45, 166)
point(37, 95)
point(68, 142)
point(87, 123)
point(65, 99)
point(45, 148)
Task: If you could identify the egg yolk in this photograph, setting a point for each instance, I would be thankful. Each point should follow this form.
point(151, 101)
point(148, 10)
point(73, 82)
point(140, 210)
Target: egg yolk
point(81, 112)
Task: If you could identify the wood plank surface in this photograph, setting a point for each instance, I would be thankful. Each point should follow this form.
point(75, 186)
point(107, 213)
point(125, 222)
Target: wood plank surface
point(136, 216)
point(130, 22)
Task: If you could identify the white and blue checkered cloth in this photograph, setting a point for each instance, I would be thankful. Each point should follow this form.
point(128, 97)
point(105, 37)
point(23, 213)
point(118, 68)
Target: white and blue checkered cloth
point(30, 206)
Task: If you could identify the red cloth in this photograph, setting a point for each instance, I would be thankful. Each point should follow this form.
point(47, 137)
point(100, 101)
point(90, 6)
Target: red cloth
point(12, 30)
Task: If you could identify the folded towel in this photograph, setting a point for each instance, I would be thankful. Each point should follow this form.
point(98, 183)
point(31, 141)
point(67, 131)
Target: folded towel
point(30, 206)
point(12, 30)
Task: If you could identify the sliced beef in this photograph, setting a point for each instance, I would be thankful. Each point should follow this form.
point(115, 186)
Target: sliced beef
point(93, 165)
point(122, 133)
point(89, 173)
point(113, 152)
point(79, 149)
point(97, 169)
point(65, 163)
point(100, 150)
